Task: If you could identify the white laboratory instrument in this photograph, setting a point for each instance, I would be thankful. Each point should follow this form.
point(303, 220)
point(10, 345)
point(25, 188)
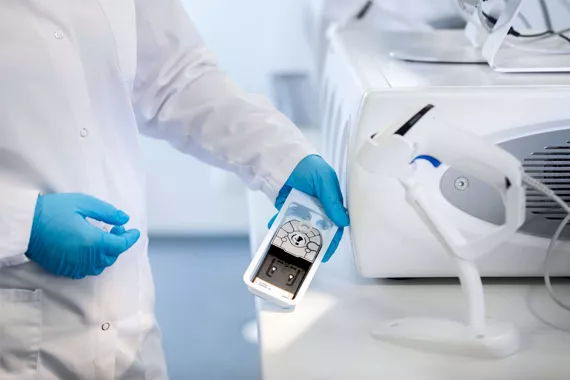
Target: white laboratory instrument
point(394, 153)
point(496, 42)
point(536, 55)
point(292, 251)
point(324, 16)
point(466, 51)
point(365, 91)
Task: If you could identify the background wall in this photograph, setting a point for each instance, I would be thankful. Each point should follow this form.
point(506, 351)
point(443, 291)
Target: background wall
point(253, 39)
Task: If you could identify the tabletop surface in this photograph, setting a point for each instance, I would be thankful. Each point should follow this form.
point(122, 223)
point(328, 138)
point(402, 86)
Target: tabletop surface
point(328, 336)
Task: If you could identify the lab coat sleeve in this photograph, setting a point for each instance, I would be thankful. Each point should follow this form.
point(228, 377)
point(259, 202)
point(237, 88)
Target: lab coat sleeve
point(181, 95)
point(17, 206)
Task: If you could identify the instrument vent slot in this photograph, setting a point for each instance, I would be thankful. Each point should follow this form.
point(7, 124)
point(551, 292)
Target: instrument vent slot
point(551, 166)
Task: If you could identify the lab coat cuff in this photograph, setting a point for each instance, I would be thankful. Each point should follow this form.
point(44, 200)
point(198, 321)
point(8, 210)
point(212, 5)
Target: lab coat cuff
point(14, 260)
point(17, 208)
point(284, 169)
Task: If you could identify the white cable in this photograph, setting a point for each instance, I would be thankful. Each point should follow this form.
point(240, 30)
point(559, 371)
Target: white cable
point(553, 295)
point(466, 12)
point(483, 20)
point(536, 184)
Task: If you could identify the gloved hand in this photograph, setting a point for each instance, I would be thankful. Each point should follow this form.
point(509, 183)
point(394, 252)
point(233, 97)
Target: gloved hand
point(65, 244)
point(315, 177)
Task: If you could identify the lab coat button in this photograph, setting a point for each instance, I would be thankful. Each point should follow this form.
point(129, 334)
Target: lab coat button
point(84, 132)
point(105, 326)
point(59, 35)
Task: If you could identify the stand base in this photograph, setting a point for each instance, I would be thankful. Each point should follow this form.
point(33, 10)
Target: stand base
point(449, 337)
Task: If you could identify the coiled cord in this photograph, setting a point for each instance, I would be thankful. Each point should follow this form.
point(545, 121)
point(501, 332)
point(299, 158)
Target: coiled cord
point(539, 186)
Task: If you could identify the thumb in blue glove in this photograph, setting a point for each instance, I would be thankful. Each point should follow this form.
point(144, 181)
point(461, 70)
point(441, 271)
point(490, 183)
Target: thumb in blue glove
point(315, 177)
point(65, 244)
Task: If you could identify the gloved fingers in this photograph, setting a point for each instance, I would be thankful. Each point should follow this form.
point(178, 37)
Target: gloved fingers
point(334, 245)
point(114, 245)
point(110, 260)
point(102, 252)
point(328, 192)
point(272, 220)
point(314, 176)
point(97, 271)
point(73, 269)
point(105, 262)
point(282, 197)
point(118, 230)
point(102, 211)
point(85, 264)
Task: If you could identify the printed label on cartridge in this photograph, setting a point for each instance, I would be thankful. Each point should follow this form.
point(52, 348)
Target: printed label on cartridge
point(274, 289)
point(286, 262)
point(300, 234)
point(293, 250)
point(299, 239)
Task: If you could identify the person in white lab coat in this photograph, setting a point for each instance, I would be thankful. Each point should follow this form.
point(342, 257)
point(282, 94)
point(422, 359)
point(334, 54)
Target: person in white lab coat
point(78, 81)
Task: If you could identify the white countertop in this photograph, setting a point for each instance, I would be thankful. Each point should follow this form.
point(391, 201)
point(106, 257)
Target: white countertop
point(328, 335)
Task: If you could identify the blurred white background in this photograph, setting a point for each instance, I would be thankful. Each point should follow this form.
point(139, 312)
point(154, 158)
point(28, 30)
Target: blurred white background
point(253, 39)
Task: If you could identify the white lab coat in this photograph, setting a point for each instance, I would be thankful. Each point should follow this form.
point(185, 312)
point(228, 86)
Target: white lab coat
point(78, 80)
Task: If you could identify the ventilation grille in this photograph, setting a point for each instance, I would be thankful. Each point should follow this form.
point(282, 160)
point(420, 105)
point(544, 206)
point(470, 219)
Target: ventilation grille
point(551, 166)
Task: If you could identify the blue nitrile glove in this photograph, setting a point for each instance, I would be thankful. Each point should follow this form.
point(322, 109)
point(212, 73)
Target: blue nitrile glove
point(65, 244)
point(315, 177)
